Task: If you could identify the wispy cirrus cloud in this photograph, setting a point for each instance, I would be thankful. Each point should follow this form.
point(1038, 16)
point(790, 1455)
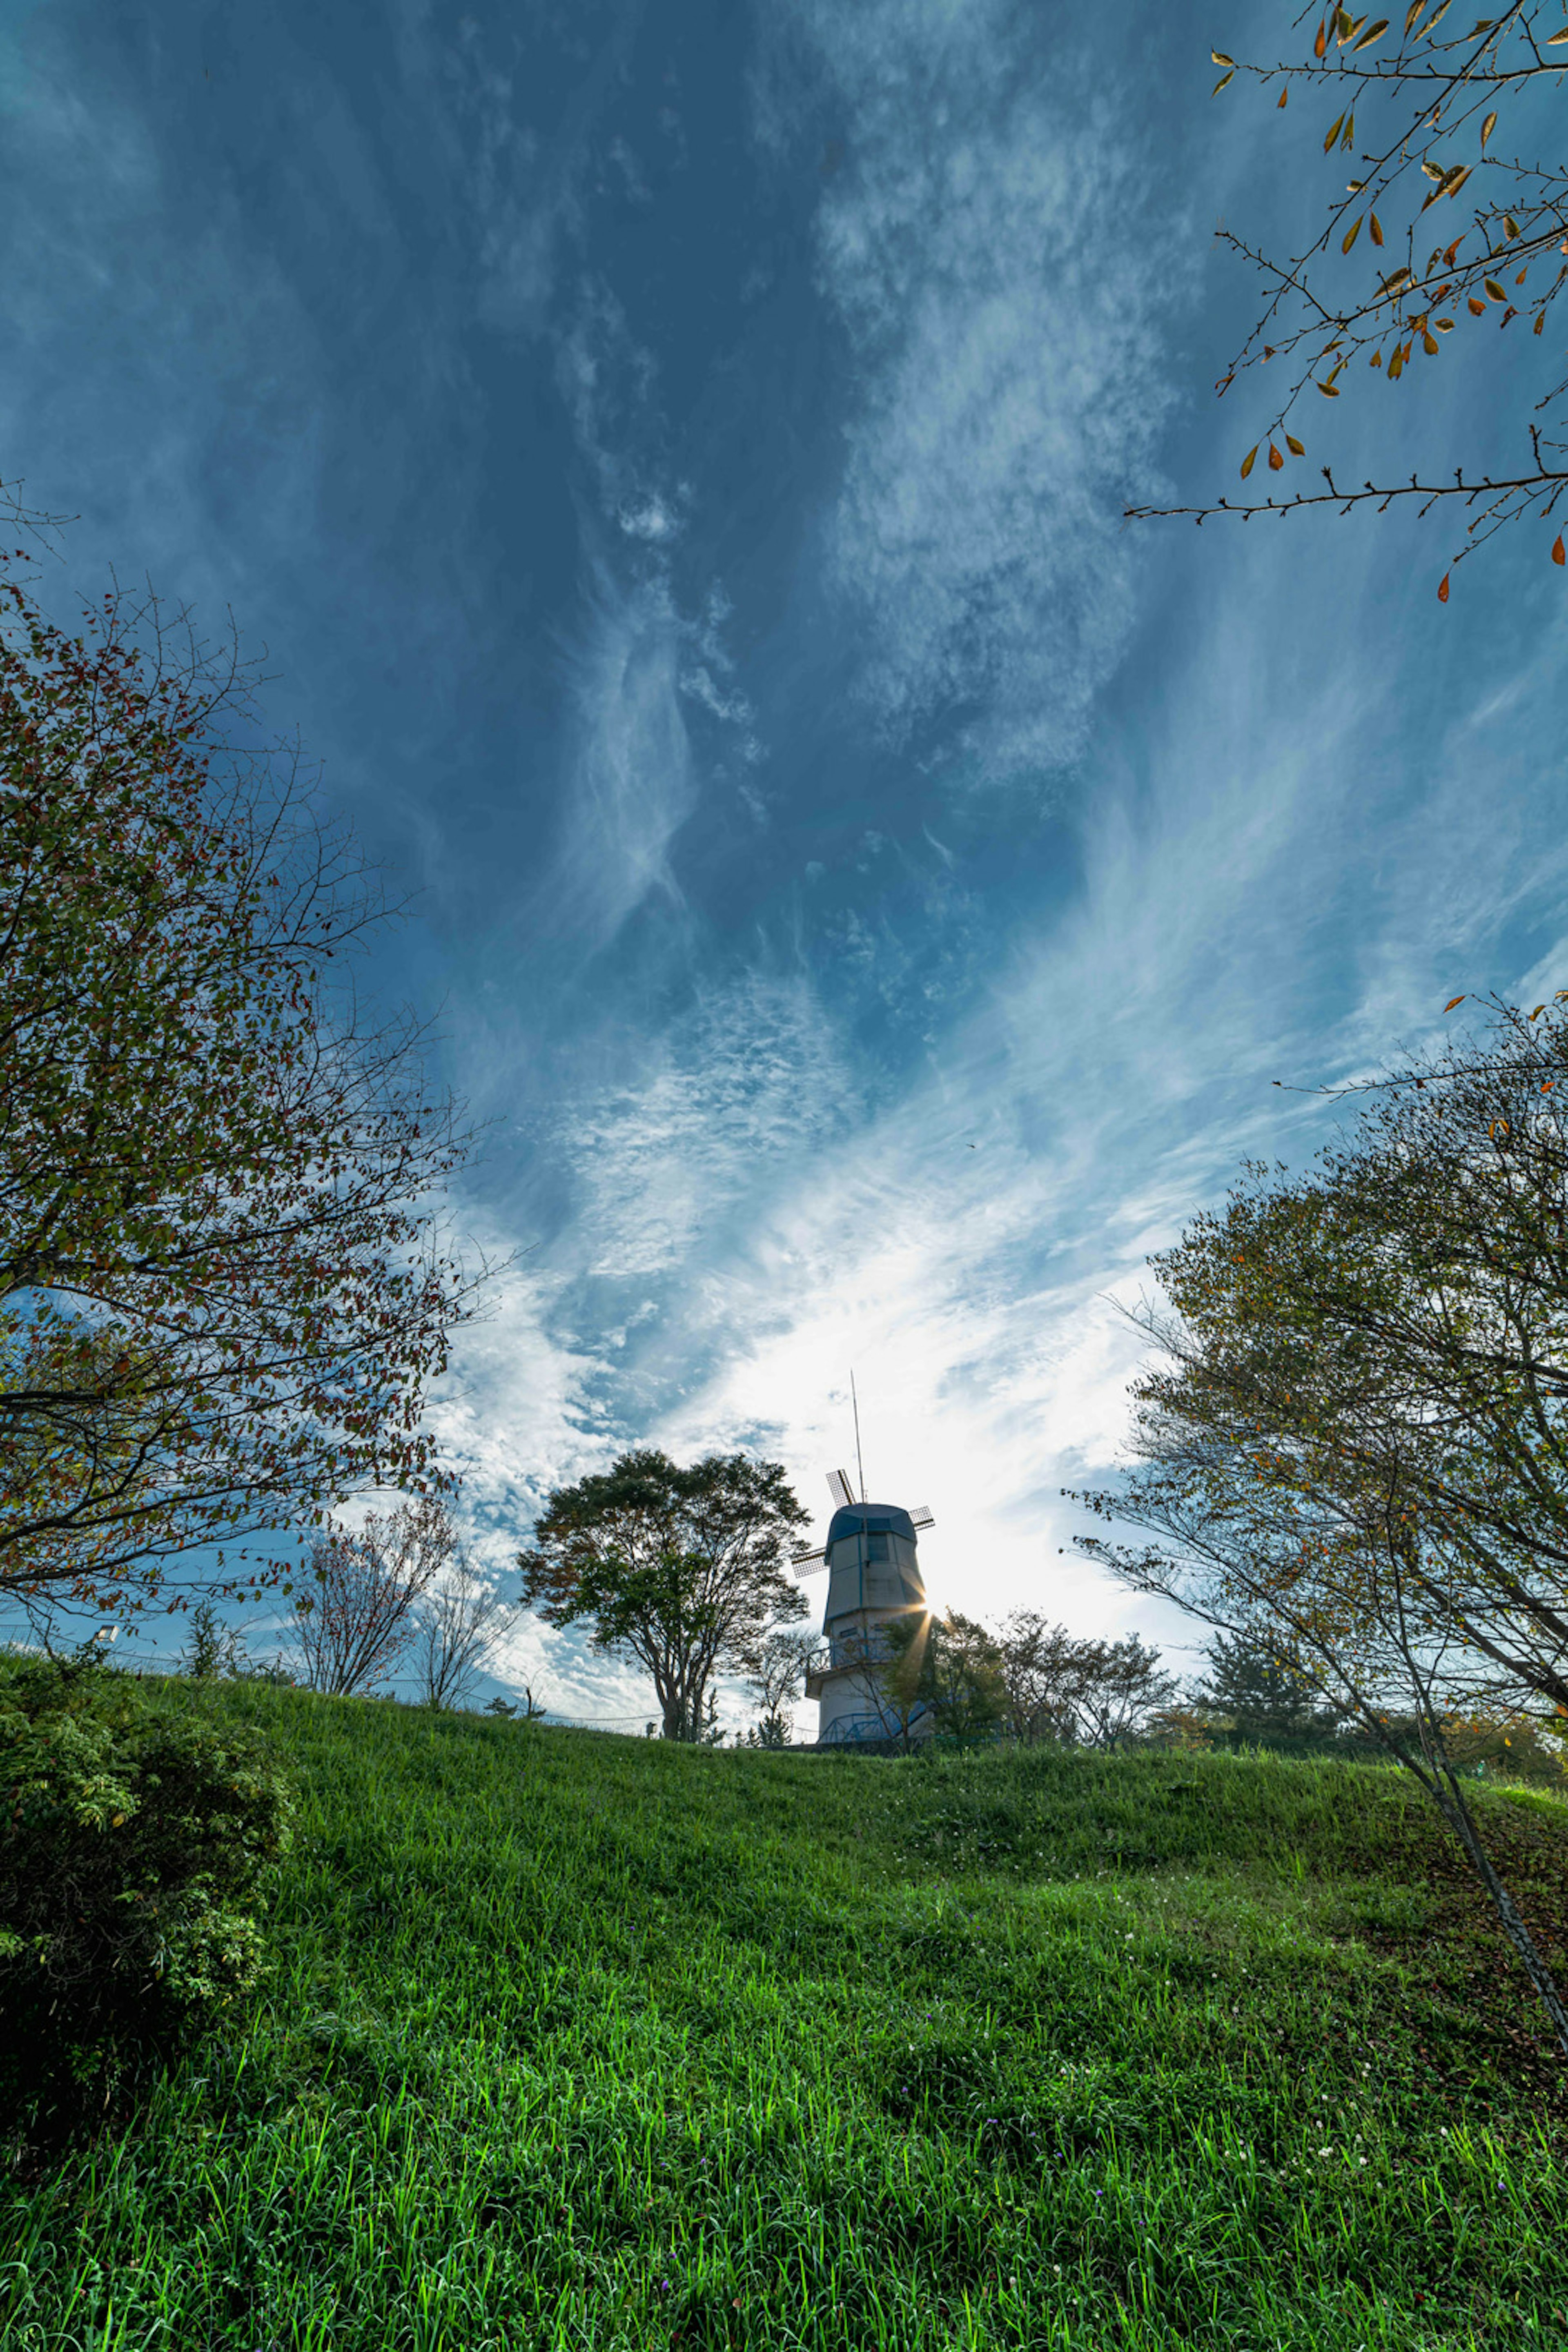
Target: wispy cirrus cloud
point(987, 242)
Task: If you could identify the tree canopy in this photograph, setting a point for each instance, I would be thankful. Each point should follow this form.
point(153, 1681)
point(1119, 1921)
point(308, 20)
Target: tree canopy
point(1352, 1447)
point(222, 1295)
point(682, 1569)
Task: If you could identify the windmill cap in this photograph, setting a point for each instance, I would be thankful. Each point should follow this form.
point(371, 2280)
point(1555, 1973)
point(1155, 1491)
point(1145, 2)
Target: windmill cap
point(872, 1520)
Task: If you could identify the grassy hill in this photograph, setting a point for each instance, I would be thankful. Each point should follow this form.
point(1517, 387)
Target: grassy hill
point(577, 2040)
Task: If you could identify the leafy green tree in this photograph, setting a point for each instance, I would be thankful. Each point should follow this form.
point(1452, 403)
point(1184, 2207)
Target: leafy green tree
point(1043, 1669)
point(946, 1669)
point(682, 1569)
point(213, 1649)
point(1268, 1702)
point(1354, 1447)
point(222, 1295)
point(1417, 110)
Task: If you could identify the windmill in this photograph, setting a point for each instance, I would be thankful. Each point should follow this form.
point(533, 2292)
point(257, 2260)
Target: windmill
point(873, 1575)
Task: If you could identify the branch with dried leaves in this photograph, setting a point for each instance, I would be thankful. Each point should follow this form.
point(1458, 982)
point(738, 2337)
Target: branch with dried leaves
point(1421, 99)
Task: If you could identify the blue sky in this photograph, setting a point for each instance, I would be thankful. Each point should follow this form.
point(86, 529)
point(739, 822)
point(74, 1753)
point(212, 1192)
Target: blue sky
point(673, 457)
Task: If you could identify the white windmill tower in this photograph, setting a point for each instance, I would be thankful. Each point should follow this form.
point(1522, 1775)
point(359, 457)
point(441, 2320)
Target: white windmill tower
point(873, 1575)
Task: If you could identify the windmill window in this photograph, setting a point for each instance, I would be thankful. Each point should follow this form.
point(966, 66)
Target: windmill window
point(877, 1547)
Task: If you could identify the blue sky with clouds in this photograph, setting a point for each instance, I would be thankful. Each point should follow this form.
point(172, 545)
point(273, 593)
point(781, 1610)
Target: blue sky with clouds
point(673, 457)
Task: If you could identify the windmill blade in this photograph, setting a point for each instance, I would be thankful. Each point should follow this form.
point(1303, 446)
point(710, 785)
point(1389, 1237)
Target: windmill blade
point(839, 1486)
point(809, 1563)
point(920, 1515)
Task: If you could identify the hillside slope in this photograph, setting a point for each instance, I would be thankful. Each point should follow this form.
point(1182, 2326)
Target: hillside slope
point(578, 2041)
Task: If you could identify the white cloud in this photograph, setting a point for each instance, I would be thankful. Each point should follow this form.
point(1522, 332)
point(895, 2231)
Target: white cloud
point(986, 245)
point(630, 785)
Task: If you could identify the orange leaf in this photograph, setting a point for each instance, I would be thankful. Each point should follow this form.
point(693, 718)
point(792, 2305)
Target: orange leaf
point(1442, 599)
point(1284, 93)
point(1376, 227)
point(1478, 310)
point(1539, 324)
point(1453, 1000)
point(1321, 45)
point(1275, 459)
point(1247, 461)
point(1559, 554)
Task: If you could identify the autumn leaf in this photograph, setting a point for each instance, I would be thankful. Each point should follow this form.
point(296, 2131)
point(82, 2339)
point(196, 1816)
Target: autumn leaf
point(1488, 126)
point(1275, 459)
point(1351, 235)
point(1452, 1001)
point(1559, 555)
point(1375, 225)
point(1442, 599)
point(1320, 46)
point(1296, 447)
point(1373, 33)
point(1284, 93)
point(1494, 289)
point(1247, 462)
point(1334, 129)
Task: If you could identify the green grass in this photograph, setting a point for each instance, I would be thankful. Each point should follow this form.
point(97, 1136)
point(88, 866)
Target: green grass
point(574, 2041)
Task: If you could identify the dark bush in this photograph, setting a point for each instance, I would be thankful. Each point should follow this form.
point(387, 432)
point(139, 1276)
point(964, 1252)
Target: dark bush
point(136, 1850)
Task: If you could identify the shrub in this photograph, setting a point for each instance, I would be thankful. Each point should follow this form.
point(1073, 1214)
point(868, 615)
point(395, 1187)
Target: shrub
point(136, 1850)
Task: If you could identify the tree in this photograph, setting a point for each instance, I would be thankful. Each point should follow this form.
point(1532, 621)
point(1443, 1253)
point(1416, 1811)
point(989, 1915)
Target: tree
point(1399, 1319)
point(221, 1293)
point(1418, 120)
point(941, 1673)
point(1268, 1702)
point(458, 1623)
point(1122, 1686)
point(1354, 1450)
point(776, 1668)
point(214, 1649)
point(680, 1568)
point(1043, 1673)
point(531, 1710)
point(361, 1619)
point(968, 1693)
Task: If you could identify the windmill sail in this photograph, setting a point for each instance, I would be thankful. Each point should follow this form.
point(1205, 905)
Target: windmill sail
point(839, 1486)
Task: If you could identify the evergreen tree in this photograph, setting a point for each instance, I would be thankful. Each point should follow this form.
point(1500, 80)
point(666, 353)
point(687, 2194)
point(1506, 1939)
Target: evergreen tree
point(1270, 1703)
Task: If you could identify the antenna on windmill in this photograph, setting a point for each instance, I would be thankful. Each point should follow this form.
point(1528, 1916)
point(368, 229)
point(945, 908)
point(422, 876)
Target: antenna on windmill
point(859, 1465)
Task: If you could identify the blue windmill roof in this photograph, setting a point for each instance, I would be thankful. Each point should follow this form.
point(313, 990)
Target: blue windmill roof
point(871, 1519)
